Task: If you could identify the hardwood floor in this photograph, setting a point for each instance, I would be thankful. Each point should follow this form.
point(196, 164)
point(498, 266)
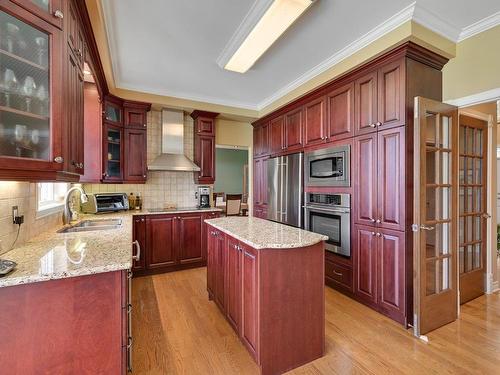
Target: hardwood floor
point(178, 331)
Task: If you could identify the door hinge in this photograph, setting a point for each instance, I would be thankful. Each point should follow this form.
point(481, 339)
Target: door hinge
point(415, 227)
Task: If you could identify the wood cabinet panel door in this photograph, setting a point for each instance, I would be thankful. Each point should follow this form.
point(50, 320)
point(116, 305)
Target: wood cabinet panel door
point(205, 126)
point(264, 149)
point(391, 178)
point(189, 244)
point(139, 235)
point(365, 104)
point(206, 145)
point(135, 154)
point(250, 308)
point(211, 260)
point(135, 117)
point(44, 9)
point(233, 283)
point(391, 95)
point(220, 271)
point(161, 241)
point(365, 179)
point(276, 135)
point(391, 276)
point(340, 112)
point(365, 264)
point(314, 122)
point(257, 141)
point(293, 130)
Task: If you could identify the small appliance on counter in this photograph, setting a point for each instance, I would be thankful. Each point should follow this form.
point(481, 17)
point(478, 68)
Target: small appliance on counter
point(105, 202)
point(203, 196)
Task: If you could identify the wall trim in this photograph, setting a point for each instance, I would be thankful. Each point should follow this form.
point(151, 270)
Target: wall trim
point(435, 22)
point(480, 26)
point(479, 98)
point(495, 286)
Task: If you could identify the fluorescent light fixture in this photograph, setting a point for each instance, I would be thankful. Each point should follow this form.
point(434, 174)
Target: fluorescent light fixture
point(277, 18)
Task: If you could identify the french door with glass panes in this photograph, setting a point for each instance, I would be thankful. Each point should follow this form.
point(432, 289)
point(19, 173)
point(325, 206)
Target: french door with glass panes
point(435, 215)
point(472, 203)
point(30, 90)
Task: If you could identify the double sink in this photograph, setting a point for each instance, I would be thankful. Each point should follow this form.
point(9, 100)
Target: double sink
point(91, 225)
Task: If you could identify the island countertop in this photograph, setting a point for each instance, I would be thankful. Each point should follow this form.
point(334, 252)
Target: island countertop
point(265, 234)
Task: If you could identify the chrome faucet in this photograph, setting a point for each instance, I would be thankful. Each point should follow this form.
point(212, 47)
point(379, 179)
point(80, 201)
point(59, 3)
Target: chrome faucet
point(67, 214)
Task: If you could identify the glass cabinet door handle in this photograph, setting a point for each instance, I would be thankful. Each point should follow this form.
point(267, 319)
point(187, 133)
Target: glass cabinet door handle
point(58, 14)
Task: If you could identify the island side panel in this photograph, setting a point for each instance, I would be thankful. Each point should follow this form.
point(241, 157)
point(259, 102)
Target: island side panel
point(292, 307)
point(69, 326)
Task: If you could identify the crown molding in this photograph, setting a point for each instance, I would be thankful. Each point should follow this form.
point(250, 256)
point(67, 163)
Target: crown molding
point(110, 30)
point(257, 10)
point(435, 22)
point(479, 98)
point(480, 26)
point(385, 27)
point(186, 96)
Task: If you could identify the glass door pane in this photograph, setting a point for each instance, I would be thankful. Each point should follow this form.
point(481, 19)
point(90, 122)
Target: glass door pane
point(24, 90)
point(113, 161)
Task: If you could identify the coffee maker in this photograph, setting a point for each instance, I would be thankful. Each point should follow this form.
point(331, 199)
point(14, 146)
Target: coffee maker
point(203, 196)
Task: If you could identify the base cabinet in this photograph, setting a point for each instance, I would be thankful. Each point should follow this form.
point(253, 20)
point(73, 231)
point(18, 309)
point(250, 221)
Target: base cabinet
point(170, 242)
point(77, 325)
point(379, 270)
point(273, 299)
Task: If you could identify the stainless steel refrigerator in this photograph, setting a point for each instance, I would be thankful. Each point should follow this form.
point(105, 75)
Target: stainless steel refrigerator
point(284, 176)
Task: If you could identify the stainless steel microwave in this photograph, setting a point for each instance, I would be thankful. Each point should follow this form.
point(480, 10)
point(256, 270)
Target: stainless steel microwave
point(328, 167)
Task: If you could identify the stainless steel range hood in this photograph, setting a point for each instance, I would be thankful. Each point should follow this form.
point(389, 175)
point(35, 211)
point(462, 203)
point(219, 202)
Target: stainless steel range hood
point(172, 156)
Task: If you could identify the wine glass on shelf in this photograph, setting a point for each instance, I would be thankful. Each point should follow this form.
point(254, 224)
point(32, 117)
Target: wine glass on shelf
point(28, 90)
point(41, 43)
point(10, 84)
point(12, 34)
point(43, 97)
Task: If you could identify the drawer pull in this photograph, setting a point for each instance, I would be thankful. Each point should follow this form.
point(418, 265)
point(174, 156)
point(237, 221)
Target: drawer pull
point(337, 273)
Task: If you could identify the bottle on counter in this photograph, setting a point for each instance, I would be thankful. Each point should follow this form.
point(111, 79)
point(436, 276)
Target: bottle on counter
point(138, 202)
point(131, 201)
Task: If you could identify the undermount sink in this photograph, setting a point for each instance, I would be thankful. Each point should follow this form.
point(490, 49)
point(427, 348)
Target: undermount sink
point(89, 225)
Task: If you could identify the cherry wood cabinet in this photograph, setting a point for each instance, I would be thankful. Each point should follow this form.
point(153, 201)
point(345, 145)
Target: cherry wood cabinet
point(273, 299)
point(340, 104)
point(124, 155)
point(261, 140)
point(276, 135)
point(292, 136)
point(51, 10)
point(366, 106)
point(379, 270)
point(379, 179)
point(315, 122)
point(249, 299)
point(74, 325)
point(391, 95)
point(204, 146)
point(135, 157)
point(233, 283)
point(170, 242)
point(338, 272)
point(93, 129)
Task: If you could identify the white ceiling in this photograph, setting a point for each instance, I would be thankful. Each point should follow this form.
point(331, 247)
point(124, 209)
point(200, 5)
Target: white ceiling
point(171, 47)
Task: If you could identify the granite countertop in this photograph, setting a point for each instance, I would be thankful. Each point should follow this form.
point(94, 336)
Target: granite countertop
point(53, 255)
point(265, 234)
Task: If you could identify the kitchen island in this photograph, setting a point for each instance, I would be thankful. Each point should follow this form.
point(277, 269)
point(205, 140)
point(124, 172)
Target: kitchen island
point(268, 281)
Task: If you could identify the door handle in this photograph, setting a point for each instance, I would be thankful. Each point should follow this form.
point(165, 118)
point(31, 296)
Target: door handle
point(486, 216)
point(337, 273)
point(137, 257)
point(425, 227)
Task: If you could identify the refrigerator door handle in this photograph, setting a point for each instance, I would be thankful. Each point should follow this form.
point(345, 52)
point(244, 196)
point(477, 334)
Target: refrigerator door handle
point(284, 197)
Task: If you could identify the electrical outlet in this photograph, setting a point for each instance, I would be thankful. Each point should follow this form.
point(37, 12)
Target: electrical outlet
point(15, 214)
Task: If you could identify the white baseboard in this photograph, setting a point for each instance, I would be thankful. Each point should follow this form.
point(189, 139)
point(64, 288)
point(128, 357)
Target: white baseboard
point(495, 286)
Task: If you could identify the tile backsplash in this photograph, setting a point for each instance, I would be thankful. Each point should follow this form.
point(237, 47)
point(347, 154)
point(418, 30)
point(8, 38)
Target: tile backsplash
point(162, 187)
point(23, 195)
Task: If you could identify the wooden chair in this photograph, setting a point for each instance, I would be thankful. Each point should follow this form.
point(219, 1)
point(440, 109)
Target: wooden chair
point(233, 204)
point(218, 198)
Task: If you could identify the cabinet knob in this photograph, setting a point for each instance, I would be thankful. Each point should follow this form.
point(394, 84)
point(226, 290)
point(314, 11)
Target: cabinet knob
point(378, 234)
point(145, 125)
point(58, 14)
point(372, 220)
point(378, 221)
point(82, 165)
point(142, 220)
point(378, 123)
point(59, 159)
point(373, 233)
point(373, 125)
point(144, 175)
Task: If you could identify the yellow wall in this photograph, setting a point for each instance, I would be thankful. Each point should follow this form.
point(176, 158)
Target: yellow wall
point(476, 68)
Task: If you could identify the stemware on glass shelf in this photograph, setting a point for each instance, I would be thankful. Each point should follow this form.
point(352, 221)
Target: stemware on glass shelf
point(28, 90)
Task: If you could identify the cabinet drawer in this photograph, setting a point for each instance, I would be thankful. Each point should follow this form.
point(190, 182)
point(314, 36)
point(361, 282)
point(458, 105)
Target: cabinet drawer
point(339, 274)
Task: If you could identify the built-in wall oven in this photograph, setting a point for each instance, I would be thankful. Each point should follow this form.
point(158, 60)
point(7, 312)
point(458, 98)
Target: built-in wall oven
point(330, 215)
point(328, 167)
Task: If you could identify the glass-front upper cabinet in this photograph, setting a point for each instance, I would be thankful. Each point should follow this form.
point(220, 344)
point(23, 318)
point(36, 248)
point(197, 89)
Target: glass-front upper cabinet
point(113, 111)
point(113, 151)
point(30, 91)
point(49, 10)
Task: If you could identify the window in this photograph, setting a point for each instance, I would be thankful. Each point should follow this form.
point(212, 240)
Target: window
point(50, 197)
